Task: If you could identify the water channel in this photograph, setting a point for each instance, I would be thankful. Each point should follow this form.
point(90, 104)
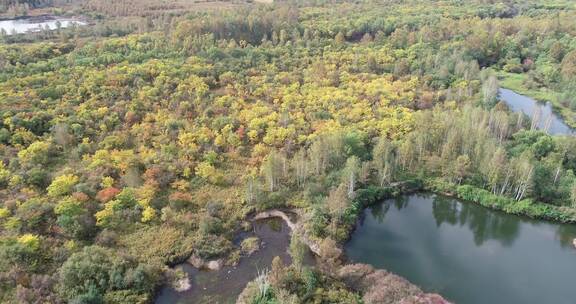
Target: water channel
point(548, 119)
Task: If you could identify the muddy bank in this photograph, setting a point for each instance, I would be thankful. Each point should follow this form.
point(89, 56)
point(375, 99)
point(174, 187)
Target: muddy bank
point(223, 285)
point(296, 227)
point(375, 285)
point(380, 286)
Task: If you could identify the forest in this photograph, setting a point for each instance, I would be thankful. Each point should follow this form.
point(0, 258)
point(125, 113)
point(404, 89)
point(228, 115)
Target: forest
point(151, 134)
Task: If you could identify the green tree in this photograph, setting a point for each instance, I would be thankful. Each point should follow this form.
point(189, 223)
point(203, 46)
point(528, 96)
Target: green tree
point(573, 194)
point(337, 200)
point(490, 89)
point(340, 38)
point(96, 271)
point(37, 153)
point(350, 174)
point(62, 185)
point(297, 251)
point(272, 169)
point(384, 160)
point(569, 66)
point(74, 218)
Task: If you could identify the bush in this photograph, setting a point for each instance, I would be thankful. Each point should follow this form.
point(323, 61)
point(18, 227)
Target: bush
point(37, 177)
point(107, 194)
point(126, 297)
point(164, 245)
point(372, 194)
point(487, 199)
point(62, 185)
point(250, 245)
point(180, 200)
point(96, 271)
point(25, 252)
point(210, 246)
point(318, 222)
point(210, 225)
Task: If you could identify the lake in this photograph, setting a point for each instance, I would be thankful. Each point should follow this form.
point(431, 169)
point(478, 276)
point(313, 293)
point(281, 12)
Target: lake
point(25, 25)
point(520, 103)
point(467, 253)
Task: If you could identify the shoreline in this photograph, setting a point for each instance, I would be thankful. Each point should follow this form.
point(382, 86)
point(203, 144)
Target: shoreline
point(526, 208)
point(47, 18)
point(366, 270)
point(369, 196)
point(509, 81)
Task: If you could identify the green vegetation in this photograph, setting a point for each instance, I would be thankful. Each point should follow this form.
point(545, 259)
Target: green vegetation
point(125, 148)
point(20, 7)
point(524, 207)
point(518, 83)
point(294, 284)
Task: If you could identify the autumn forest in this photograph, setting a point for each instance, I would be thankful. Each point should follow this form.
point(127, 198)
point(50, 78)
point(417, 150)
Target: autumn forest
point(154, 132)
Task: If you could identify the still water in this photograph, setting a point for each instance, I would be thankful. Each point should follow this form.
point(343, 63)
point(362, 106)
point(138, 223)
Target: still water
point(224, 286)
point(528, 106)
point(25, 25)
point(467, 253)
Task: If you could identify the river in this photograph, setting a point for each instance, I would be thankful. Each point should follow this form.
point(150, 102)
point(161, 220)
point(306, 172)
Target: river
point(467, 253)
point(26, 25)
point(547, 117)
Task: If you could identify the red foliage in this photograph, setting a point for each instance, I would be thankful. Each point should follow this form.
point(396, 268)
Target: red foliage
point(241, 132)
point(152, 173)
point(181, 197)
point(107, 194)
point(180, 200)
point(80, 196)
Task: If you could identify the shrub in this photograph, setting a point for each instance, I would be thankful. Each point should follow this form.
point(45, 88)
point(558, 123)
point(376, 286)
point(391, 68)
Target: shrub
point(126, 297)
point(526, 207)
point(209, 246)
point(23, 252)
point(37, 153)
point(180, 200)
point(62, 185)
point(250, 245)
point(96, 271)
point(107, 194)
point(165, 245)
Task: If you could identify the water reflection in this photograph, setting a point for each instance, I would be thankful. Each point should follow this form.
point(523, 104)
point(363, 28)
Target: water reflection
point(445, 210)
point(484, 225)
point(401, 202)
point(379, 211)
point(468, 253)
point(565, 235)
point(25, 25)
point(543, 113)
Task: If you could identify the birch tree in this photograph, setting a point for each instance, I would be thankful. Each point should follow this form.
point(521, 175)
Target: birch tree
point(272, 169)
point(384, 160)
point(524, 173)
point(490, 91)
point(351, 172)
point(300, 164)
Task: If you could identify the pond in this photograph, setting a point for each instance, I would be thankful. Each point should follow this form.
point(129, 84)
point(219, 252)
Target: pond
point(467, 253)
point(224, 286)
point(26, 25)
point(528, 106)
